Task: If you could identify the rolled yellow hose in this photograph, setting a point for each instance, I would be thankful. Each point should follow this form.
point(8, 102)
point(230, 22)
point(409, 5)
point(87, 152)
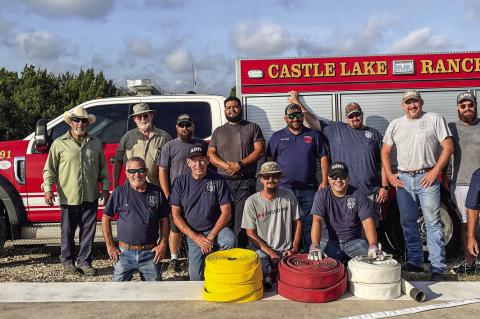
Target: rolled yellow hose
point(233, 275)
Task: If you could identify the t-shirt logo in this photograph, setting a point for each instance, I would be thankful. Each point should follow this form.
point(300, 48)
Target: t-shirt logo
point(152, 201)
point(308, 139)
point(210, 186)
point(351, 203)
point(368, 134)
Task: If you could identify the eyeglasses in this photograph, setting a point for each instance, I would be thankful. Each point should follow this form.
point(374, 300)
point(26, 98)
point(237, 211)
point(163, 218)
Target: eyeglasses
point(354, 115)
point(298, 115)
point(78, 120)
point(183, 125)
point(271, 176)
point(337, 176)
point(133, 171)
point(465, 105)
point(140, 116)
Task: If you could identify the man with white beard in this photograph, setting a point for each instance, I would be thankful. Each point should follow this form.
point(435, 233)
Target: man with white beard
point(145, 141)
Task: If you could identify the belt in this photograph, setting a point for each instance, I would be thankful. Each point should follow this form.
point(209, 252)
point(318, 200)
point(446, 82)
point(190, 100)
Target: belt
point(413, 173)
point(136, 247)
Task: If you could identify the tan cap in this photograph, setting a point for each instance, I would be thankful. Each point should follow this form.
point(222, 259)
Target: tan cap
point(80, 113)
point(412, 95)
point(141, 108)
point(269, 168)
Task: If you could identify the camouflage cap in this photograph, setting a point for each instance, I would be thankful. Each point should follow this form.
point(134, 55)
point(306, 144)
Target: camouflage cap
point(353, 107)
point(269, 168)
point(412, 95)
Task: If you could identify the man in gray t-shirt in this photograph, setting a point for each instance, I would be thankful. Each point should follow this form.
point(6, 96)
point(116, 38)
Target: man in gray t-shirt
point(271, 219)
point(465, 160)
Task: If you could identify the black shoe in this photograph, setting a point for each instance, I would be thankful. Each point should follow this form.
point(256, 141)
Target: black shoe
point(465, 268)
point(69, 269)
point(88, 270)
point(267, 284)
point(412, 268)
point(436, 276)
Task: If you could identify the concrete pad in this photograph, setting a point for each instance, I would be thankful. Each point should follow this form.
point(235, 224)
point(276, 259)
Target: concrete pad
point(183, 291)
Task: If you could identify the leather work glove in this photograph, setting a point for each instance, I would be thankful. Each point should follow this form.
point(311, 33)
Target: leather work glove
point(375, 252)
point(315, 252)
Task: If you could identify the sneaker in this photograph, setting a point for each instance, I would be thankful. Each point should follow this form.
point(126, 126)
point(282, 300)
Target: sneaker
point(88, 270)
point(436, 276)
point(465, 268)
point(412, 268)
point(267, 284)
point(69, 269)
point(174, 267)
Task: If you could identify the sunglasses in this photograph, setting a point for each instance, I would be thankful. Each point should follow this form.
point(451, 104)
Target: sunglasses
point(354, 115)
point(183, 125)
point(466, 105)
point(271, 176)
point(78, 120)
point(337, 176)
point(133, 171)
point(298, 115)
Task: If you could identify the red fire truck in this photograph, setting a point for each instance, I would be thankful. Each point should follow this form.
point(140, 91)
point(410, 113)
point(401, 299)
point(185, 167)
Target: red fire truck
point(376, 82)
point(24, 216)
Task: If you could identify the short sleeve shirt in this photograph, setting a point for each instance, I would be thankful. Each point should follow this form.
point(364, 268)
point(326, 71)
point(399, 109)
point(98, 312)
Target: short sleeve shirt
point(473, 195)
point(234, 142)
point(200, 199)
point(272, 219)
point(342, 216)
point(359, 149)
point(417, 140)
point(297, 156)
point(139, 213)
point(466, 155)
point(174, 156)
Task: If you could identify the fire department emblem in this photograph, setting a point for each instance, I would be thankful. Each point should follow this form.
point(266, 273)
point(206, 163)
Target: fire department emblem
point(153, 201)
point(308, 139)
point(351, 203)
point(210, 186)
point(368, 134)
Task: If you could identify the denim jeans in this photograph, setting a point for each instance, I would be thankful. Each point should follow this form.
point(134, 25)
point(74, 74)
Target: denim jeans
point(130, 261)
point(265, 260)
point(305, 200)
point(196, 260)
point(344, 250)
point(408, 198)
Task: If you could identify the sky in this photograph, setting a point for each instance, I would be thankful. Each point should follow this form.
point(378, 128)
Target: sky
point(161, 39)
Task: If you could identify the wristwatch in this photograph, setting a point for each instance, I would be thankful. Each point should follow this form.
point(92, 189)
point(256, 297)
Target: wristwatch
point(386, 187)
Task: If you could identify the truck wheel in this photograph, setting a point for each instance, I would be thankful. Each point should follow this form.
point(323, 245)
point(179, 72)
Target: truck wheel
point(451, 226)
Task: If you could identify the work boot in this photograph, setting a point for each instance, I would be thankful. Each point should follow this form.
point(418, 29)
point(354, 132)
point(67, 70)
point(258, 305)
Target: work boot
point(69, 269)
point(464, 268)
point(267, 283)
point(88, 270)
point(412, 268)
point(173, 269)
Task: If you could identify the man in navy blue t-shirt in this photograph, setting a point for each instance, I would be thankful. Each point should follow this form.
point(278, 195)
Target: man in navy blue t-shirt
point(472, 203)
point(296, 149)
point(201, 209)
point(339, 213)
point(142, 208)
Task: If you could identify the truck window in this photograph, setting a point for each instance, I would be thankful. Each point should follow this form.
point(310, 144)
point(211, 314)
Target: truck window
point(167, 113)
point(110, 124)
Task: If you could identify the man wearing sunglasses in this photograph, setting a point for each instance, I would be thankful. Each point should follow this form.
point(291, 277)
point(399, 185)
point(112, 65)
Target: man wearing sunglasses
point(201, 209)
point(76, 164)
point(465, 160)
point(340, 212)
point(272, 220)
point(142, 211)
point(173, 163)
point(355, 144)
point(297, 149)
point(145, 141)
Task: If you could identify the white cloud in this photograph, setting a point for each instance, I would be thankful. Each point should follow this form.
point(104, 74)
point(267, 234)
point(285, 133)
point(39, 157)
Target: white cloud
point(139, 47)
point(261, 39)
point(40, 45)
point(88, 9)
point(179, 61)
point(423, 40)
point(368, 38)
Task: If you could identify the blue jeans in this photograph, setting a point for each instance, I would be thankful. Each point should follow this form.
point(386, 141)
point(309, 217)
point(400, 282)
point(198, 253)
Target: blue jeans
point(305, 200)
point(130, 261)
point(408, 199)
point(265, 260)
point(196, 260)
point(343, 250)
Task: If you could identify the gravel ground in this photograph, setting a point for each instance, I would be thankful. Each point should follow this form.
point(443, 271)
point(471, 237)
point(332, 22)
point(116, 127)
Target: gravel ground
point(37, 263)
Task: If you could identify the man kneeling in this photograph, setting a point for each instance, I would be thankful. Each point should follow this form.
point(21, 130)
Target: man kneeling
point(271, 219)
point(141, 207)
point(341, 211)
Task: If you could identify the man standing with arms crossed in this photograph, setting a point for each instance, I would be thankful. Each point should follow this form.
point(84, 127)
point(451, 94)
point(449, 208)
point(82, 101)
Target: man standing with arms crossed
point(424, 147)
point(235, 149)
point(76, 164)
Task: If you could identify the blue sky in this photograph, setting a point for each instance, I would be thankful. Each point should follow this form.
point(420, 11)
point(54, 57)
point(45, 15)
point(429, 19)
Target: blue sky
point(161, 39)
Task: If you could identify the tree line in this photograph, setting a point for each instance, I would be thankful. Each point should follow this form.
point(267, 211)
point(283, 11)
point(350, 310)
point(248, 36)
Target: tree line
point(36, 93)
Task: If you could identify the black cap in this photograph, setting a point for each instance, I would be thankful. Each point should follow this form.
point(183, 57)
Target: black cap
point(184, 118)
point(338, 168)
point(197, 149)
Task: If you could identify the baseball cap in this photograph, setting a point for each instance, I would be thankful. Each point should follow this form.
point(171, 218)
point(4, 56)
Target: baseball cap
point(412, 95)
point(466, 96)
point(184, 118)
point(352, 107)
point(338, 169)
point(197, 149)
point(269, 168)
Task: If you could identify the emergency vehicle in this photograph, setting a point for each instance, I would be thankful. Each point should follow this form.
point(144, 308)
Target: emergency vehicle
point(24, 216)
point(377, 83)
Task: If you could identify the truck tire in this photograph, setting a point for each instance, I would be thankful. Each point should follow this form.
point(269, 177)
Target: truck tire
point(3, 230)
point(393, 232)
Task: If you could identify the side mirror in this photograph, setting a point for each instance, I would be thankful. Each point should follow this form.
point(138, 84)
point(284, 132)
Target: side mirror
point(41, 139)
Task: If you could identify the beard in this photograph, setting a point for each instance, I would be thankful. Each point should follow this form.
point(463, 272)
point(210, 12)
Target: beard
point(469, 118)
point(185, 137)
point(145, 126)
point(235, 119)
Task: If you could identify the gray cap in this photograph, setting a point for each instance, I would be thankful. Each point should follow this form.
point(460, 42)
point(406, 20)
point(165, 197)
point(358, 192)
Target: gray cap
point(141, 108)
point(269, 168)
point(466, 96)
